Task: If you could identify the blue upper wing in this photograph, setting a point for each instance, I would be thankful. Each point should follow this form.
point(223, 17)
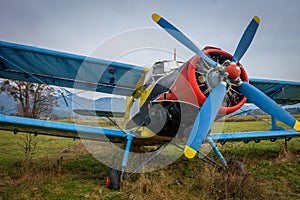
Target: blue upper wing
point(31, 64)
point(283, 92)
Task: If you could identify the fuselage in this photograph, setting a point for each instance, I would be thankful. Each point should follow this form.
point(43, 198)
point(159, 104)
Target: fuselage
point(180, 90)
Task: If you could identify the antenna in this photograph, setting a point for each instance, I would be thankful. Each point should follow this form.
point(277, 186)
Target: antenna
point(175, 54)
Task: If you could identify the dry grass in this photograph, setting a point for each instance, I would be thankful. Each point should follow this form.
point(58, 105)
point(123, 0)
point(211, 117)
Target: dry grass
point(202, 183)
point(63, 169)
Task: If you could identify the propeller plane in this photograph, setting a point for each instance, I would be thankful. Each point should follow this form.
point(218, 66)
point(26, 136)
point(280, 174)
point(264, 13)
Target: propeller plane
point(183, 103)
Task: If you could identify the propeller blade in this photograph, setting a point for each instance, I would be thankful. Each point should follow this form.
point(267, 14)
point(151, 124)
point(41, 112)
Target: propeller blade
point(268, 105)
point(178, 35)
point(246, 39)
point(204, 120)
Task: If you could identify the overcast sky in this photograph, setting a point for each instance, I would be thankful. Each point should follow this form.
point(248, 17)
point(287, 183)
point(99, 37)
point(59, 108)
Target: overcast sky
point(79, 27)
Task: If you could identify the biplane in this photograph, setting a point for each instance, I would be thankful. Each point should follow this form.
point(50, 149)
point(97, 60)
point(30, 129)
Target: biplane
point(177, 107)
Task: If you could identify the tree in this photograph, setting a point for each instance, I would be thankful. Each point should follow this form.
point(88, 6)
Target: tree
point(34, 100)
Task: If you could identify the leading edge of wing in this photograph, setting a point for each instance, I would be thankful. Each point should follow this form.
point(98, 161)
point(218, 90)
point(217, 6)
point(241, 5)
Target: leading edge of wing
point(283, 92)
point(273, 81)
point(33, 64)
point(60, 129)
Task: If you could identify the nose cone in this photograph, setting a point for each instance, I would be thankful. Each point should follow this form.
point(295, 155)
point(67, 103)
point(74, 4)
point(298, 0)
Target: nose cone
point(233, 71)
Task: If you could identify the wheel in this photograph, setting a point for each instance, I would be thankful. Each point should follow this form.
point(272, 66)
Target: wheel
point(114, 179)
point(235, 167)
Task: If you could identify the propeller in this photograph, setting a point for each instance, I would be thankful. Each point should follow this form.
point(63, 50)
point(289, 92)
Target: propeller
point(178, 35)
point(268, 105)
point(246, 39)
point(230, 73)
point(204, 120)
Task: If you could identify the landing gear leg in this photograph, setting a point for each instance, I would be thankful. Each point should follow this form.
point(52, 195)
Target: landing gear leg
point(232, 166)
point(113, 181)
point(216, 150)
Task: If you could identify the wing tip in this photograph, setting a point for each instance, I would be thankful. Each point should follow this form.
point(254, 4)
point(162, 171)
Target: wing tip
point(189, 152)
point(156, 17)
point(257, 19)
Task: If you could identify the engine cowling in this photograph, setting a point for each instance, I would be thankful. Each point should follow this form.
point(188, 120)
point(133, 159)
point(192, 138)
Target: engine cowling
point(203, 78)
point(186, 90)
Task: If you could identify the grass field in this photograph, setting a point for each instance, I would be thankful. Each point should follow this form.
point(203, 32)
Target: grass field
point(63, 169)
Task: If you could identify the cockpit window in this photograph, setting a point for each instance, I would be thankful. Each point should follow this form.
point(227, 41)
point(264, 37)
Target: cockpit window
point(158, 68)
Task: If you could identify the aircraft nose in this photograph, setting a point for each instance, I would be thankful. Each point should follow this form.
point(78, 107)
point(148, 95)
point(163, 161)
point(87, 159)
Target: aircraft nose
point(233, 71)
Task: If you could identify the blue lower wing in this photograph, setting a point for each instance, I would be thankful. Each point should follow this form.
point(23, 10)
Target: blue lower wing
point(31, 64)
point(44, 127)
point(252, 136)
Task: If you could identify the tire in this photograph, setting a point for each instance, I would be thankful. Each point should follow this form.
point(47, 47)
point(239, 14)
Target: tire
point(114, 179)
point(235, 167)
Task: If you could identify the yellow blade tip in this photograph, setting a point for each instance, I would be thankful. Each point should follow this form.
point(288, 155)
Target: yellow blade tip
point(156, 17)
point(297, 126)
point(256, 19)
point(189, 152)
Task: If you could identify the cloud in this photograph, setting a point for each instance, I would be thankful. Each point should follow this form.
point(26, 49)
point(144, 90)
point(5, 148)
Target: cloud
point(79, 26)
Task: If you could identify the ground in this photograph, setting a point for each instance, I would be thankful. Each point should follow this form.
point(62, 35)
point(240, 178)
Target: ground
point(63, 169)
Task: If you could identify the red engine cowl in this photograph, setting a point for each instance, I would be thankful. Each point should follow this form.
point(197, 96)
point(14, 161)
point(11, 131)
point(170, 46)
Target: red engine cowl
point(197, 78)
point(199, 73)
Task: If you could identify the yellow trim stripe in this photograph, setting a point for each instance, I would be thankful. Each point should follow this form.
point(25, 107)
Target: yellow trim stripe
point(156, 17)
point(189, 152)
point(145, 132)
point(256, 19)
point(145, 95)
point(297, 126)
